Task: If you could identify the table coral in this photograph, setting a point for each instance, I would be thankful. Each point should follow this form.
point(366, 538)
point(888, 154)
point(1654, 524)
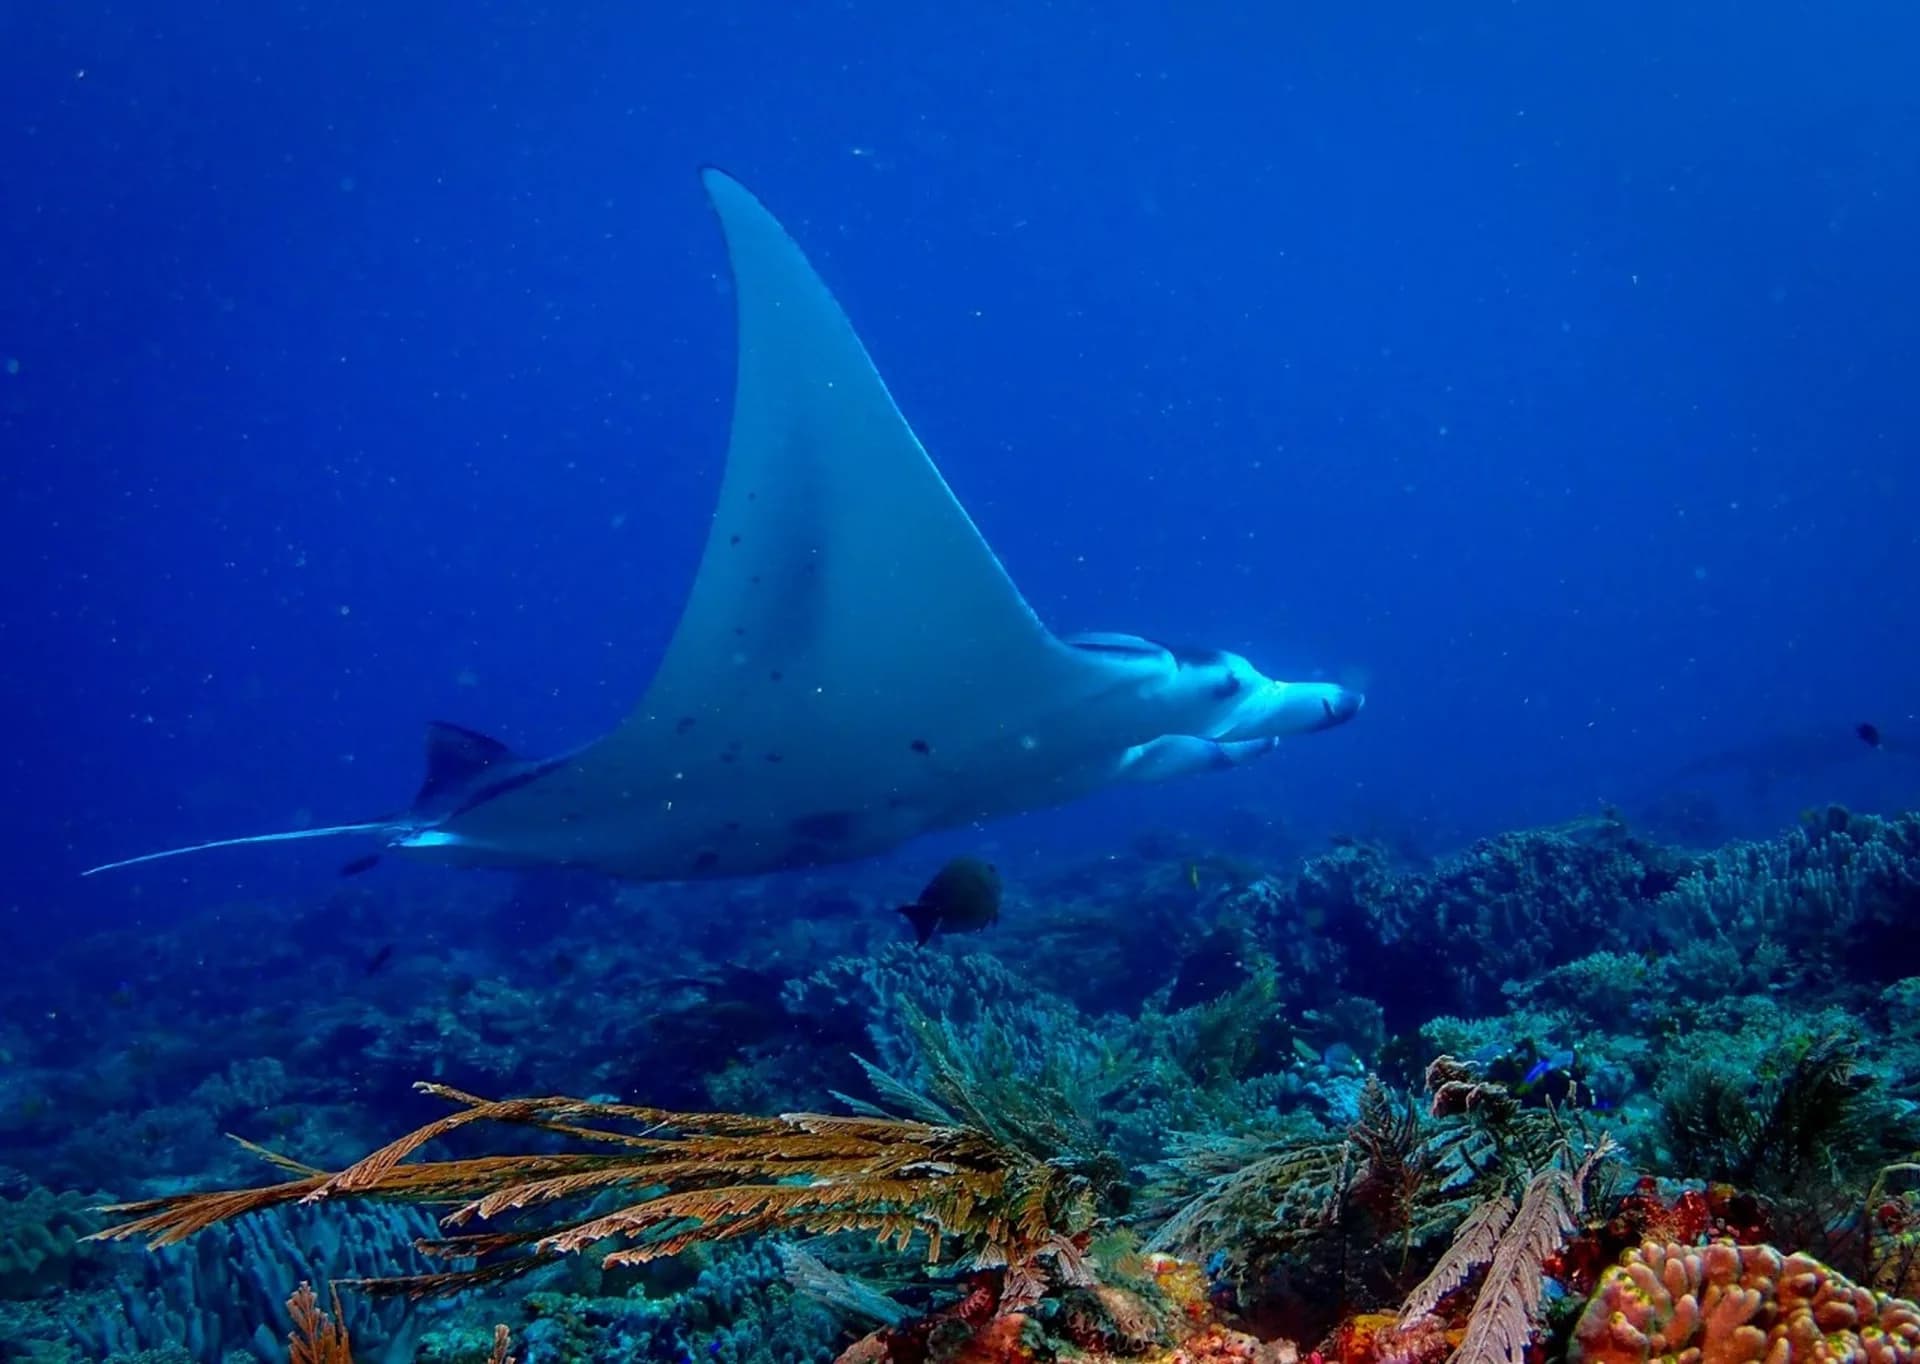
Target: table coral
point(1728, 1304)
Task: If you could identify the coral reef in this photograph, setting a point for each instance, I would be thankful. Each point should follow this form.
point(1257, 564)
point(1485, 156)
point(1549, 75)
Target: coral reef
point(1173, 1096)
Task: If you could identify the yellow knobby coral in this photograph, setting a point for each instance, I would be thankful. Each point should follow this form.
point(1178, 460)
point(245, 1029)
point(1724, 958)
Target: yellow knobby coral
point(1728, 1304)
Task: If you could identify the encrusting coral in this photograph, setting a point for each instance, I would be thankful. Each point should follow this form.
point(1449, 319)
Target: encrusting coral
point(1728, 1304)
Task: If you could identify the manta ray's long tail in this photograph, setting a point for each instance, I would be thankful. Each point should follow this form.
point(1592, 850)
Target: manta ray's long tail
point(331, 831)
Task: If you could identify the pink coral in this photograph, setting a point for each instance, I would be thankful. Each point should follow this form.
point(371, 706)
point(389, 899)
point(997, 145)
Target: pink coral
point(1728, 1304)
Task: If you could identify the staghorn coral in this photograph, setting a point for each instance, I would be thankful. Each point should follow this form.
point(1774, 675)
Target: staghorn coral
point(1728, 1304)
point(699, 1178)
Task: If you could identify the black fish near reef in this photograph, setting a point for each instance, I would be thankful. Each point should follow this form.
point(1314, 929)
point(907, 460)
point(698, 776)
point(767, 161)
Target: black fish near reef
point(964, 897)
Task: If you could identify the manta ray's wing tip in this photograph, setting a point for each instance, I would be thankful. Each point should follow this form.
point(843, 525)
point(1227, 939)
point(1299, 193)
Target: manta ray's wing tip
point(722, 184)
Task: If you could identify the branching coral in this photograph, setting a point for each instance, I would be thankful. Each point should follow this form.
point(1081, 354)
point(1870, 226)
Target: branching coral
point(320, 1338)
point(1727, 1304)
point(695, 1177)
point(317, 1337)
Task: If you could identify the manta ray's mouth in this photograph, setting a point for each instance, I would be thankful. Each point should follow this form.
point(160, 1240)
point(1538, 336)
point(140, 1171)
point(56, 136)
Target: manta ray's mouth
point(1341, 707)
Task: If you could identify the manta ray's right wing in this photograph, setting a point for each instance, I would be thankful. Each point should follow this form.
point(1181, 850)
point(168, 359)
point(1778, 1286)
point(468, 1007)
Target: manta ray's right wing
point(850, 641)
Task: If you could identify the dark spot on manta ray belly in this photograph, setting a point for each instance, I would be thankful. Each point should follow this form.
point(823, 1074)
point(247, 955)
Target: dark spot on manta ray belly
point(921, 746)
point(830, 826)
point(1230, 687)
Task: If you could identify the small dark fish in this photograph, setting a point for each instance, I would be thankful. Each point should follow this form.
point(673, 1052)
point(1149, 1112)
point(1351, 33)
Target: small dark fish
point(1869, 733)
point(381, 956)
point(360, 864)
point(963, 898)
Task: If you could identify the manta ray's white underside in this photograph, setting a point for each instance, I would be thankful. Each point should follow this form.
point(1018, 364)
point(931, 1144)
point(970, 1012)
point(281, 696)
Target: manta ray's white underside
point(852, 668)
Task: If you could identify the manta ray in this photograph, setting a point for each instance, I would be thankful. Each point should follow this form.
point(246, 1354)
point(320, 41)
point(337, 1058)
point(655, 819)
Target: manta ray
point(852, 667)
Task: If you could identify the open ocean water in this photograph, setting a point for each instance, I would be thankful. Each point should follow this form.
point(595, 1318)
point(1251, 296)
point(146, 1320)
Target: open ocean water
point(1543, 373)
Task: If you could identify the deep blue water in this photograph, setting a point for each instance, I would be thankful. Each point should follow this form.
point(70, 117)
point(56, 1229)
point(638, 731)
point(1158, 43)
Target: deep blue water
point(1549, 371)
